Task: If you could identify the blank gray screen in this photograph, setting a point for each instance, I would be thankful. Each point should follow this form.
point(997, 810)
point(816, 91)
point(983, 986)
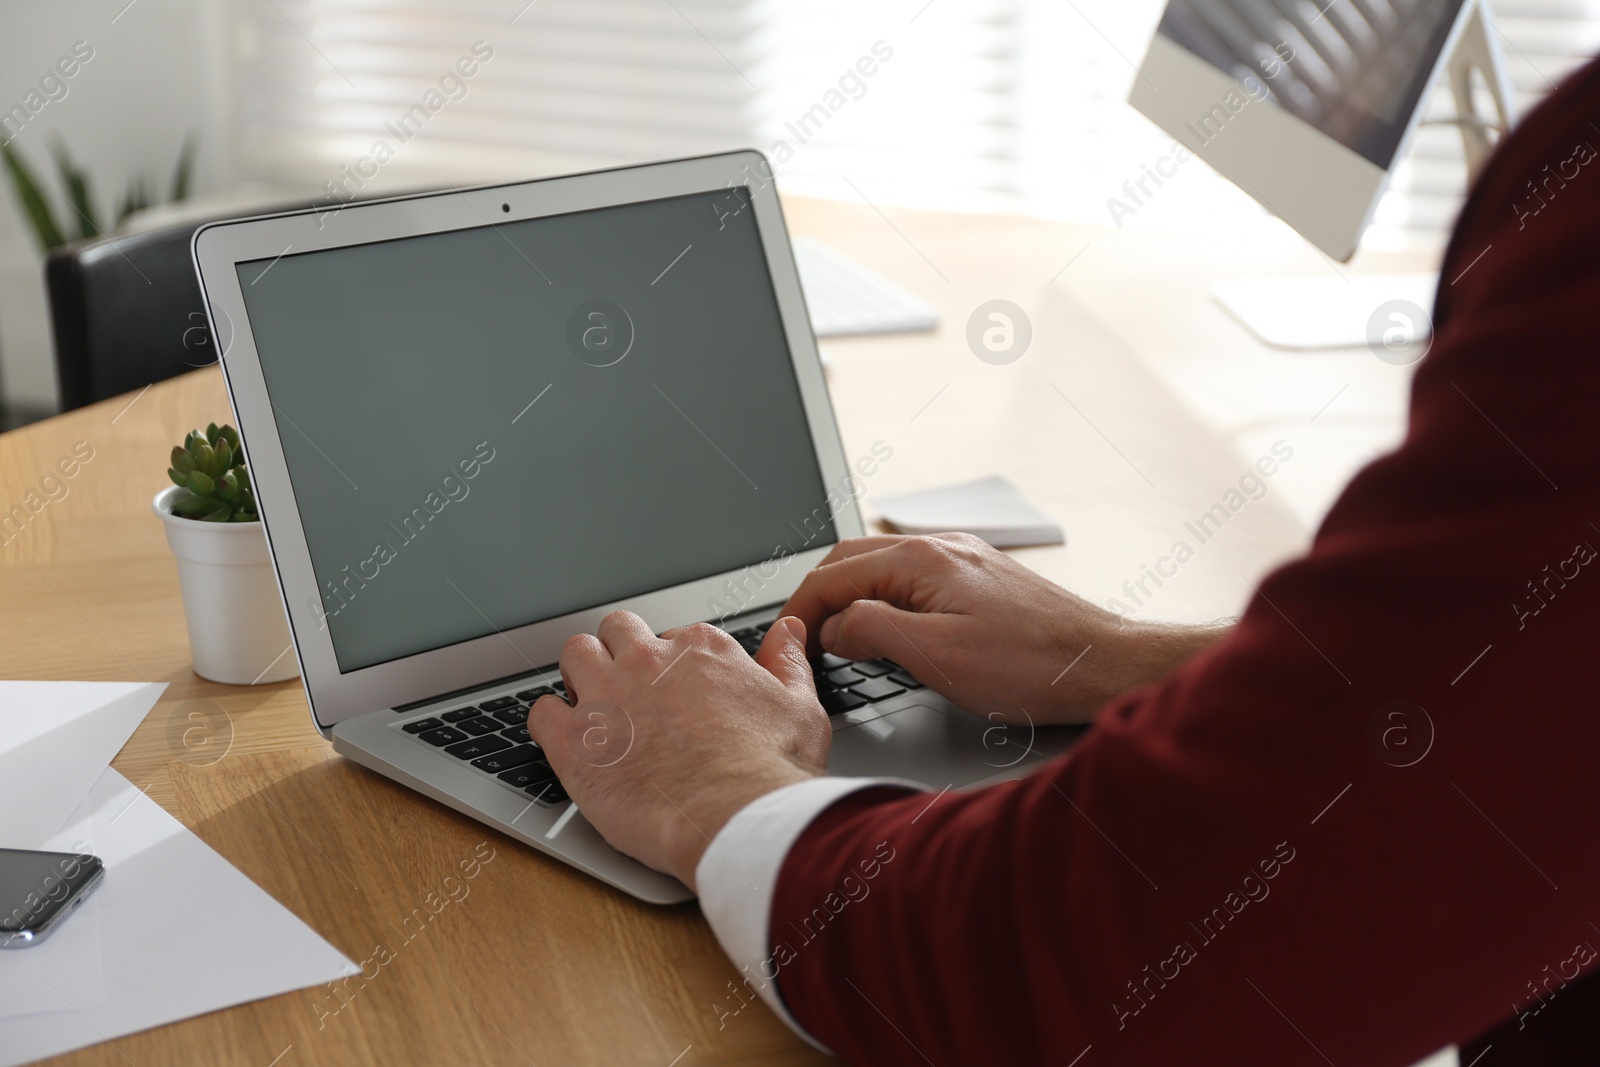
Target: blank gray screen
point(489, 427)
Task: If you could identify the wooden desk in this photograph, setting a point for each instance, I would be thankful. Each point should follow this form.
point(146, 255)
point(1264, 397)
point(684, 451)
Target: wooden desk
point(1114, 421)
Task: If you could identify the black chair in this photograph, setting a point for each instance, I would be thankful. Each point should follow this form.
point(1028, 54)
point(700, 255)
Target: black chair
point(127, 311)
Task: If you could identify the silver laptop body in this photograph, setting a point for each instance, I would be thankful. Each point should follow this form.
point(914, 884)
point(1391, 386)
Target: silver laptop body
point(478, 421)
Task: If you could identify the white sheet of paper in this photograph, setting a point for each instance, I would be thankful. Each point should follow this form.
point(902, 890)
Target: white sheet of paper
point(174, 931)
point(992, 508)
point(55, 739)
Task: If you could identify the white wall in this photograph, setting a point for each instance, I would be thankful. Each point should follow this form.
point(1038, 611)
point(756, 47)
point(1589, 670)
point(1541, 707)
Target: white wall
point(157, 73)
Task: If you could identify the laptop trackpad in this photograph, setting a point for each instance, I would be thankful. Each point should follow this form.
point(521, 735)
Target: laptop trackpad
point(930, 746)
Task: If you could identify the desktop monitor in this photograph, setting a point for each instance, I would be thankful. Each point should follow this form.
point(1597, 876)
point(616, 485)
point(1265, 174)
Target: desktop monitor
point(1306, 106)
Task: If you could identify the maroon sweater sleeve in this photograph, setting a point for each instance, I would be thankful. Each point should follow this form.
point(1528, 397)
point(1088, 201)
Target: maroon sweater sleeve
point(1363, 827)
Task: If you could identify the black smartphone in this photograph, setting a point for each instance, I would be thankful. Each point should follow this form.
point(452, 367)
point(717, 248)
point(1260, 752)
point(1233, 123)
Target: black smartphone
point(40, 889)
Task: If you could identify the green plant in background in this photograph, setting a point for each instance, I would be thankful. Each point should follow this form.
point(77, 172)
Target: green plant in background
point(210, 468)
point(74, 189)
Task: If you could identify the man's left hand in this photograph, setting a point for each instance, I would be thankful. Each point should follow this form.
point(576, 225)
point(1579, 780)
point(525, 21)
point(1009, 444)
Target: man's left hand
point(668, 737)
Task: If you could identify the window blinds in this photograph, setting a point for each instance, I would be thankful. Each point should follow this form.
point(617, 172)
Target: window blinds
point(967, 104)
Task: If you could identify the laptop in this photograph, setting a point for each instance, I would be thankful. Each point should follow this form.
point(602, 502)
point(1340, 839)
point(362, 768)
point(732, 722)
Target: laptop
point(479, 420)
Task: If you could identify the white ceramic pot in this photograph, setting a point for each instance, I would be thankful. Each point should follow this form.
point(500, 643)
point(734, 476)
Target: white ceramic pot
point(238, 634)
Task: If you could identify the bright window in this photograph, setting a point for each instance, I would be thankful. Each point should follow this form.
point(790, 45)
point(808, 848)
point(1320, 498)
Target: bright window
point(981, 104)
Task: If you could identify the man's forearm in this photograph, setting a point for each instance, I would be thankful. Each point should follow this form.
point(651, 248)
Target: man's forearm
point(1155, 649)
point(1137, 653)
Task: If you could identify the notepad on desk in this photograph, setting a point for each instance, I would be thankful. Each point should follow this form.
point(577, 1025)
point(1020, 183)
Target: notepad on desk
point(991, 508)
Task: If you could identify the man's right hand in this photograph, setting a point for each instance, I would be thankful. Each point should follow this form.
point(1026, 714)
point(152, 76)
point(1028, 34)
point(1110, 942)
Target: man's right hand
point(981, 629)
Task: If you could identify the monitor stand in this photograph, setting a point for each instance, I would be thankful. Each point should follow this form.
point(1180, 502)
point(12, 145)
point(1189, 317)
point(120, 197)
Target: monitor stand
point(1317, 312)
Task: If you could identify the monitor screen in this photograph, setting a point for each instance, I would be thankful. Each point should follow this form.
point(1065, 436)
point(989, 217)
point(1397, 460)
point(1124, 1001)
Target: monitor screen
point(489, 427)
point(1354, 69)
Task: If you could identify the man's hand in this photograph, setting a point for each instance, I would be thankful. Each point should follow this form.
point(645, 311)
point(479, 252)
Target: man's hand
point(670, 736)
point(980, 628)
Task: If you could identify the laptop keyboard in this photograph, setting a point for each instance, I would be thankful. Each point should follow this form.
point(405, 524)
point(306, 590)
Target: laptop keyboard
point(844, 685)
point(492, 735)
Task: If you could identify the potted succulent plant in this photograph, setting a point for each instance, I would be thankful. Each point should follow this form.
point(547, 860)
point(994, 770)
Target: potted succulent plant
point(237, 631)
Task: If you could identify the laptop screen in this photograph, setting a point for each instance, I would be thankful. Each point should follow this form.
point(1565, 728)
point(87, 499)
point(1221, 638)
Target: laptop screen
point(490, 427)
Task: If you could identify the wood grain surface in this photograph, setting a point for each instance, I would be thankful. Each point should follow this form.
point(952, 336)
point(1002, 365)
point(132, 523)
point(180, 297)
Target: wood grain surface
point(529, 962)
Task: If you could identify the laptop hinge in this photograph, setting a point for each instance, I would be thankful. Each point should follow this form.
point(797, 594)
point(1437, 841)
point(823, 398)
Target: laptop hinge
point(415, 704)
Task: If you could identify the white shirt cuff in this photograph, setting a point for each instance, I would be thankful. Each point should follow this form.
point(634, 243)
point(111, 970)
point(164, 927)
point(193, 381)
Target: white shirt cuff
point(738, 875)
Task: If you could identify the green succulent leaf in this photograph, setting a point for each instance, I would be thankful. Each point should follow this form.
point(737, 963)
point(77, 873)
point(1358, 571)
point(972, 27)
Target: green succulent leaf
point(205, 457)
point(191, 506)
point(210, 466)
